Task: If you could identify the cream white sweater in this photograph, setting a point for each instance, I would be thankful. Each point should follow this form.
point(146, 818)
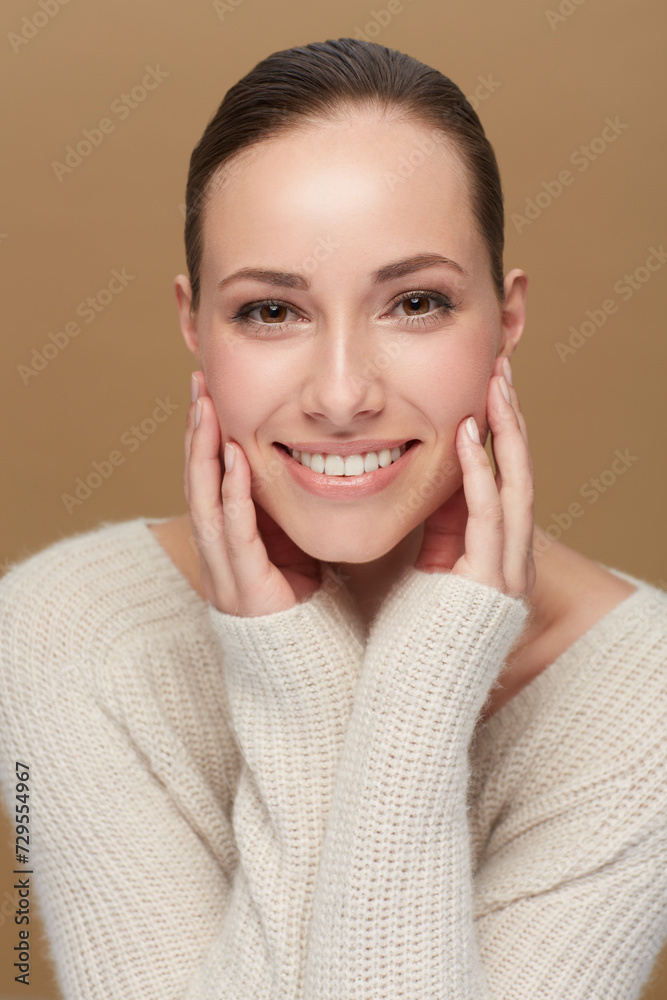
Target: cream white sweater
point(281, 807)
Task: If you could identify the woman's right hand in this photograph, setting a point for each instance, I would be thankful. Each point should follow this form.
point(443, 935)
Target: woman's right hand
point(239, 576)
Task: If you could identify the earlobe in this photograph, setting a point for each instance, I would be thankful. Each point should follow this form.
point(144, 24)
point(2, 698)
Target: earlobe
point(187, 319)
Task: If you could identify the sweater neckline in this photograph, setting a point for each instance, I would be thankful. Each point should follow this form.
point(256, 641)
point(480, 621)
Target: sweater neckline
point(527, 699)
point(525, 704)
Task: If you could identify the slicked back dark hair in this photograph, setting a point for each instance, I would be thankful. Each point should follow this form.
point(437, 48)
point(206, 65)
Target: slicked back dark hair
point(296, 89)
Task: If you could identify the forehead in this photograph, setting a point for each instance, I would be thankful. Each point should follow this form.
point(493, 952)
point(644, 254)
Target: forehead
point(364, 180)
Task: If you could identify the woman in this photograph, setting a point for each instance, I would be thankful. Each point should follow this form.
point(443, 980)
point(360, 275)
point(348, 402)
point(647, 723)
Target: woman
point(303, 741)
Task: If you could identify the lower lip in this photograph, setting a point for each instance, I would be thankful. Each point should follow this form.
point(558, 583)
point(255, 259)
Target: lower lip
point(345, 487)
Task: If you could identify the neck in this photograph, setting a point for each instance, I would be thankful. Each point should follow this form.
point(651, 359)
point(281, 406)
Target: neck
point(368, 583)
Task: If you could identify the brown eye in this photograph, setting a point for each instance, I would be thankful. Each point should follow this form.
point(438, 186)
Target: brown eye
point(269, 312)
point(413, 304)
point(418, 311)
point(272, 313)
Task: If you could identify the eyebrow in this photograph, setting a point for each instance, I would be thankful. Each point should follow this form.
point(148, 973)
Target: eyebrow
point(290, 279)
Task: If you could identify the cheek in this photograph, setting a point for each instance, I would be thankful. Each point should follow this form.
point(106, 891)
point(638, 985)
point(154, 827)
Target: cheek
point(456, 388)
point(234, 386)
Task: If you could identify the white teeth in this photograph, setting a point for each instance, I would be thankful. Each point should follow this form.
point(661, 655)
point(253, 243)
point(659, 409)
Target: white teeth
point(353, 465)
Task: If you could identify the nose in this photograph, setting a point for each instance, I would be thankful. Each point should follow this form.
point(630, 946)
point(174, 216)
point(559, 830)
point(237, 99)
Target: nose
point(346, 379)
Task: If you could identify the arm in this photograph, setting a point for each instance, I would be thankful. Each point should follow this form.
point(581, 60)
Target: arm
point(113, 847)
point(149, 888)
point(290, 678)
point(569, 901)
point(571, 895)
point(393, 913)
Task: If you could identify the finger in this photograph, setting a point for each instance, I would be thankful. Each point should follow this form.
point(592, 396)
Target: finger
point(247, 553)
point(514, 398)
point(516, 489)
point(197, 388)
point(483, 558)
point(205, 501)
point(505, 368)
point(189, 429)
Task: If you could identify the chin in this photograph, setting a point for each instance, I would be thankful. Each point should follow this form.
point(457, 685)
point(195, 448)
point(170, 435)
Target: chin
point(333, 551)
point(348, 544)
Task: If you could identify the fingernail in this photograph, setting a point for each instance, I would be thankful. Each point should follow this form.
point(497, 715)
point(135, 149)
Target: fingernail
point(507, 368)
point(197, 412)
point(229, 457)
point(471, 427)
point(194, 387)
point(505, 391)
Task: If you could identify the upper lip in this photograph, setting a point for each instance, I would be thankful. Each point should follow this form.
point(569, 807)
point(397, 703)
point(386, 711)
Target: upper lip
point(345, 448)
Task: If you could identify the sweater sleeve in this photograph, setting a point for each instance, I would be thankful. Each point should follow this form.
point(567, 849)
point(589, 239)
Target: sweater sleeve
point(290, 679)
point(394, 904)
point(571, 892)
point(148, 890)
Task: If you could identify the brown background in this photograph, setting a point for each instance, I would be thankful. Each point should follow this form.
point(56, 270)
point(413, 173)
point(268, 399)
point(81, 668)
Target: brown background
point(553, 85)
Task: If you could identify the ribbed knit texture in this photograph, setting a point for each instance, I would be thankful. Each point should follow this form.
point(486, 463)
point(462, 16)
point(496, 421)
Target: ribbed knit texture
point(281, 808)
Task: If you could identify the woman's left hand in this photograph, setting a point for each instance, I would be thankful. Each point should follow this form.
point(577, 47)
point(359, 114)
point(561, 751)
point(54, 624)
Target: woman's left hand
point(485, 530)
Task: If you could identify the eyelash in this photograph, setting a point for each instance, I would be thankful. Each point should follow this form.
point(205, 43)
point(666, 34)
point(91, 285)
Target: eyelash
point(446, 308)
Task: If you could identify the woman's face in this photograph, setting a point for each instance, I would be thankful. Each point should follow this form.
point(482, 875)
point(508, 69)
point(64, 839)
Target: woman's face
point(350, 348)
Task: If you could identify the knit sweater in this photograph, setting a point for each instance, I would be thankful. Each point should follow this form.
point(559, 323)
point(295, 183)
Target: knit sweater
point(284, 806)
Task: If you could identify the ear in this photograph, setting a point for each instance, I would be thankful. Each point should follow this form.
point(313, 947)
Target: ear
point(513, 317)
point(187, 318)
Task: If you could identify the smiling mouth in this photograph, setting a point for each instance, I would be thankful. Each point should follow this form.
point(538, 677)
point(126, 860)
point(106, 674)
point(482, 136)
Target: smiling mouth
point(408, 444)
point(336, 466)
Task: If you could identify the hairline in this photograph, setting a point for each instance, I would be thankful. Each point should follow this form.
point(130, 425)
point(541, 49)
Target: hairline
point(310, 122)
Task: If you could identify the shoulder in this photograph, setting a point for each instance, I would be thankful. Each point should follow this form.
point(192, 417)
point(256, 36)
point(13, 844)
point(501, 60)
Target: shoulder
point(84, 592)
point(86, 623)
point(570, 586)
point(598, 708)
point(609, 608)
point(595, 685)
point(572, 773)
point(59, 578)
point(576, 593)
point(175, 537)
